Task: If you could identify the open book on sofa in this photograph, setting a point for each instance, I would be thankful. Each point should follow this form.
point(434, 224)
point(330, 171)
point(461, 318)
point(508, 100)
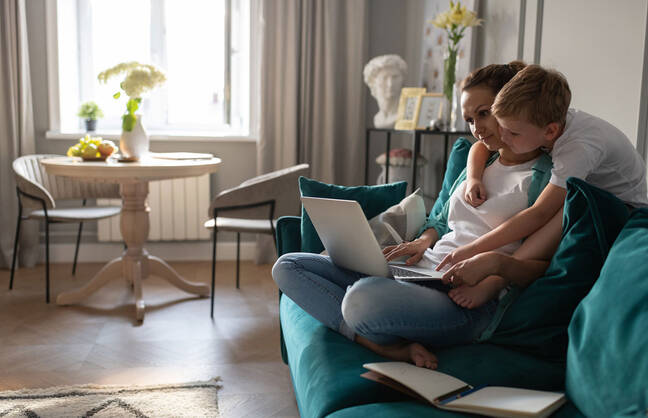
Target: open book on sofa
point(447, 392)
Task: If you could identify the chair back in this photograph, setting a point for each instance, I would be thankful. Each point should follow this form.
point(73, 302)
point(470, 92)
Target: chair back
point(32, 178)
point(282, 186)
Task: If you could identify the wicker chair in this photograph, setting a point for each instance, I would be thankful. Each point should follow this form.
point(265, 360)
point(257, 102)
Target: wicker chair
point(37, 196)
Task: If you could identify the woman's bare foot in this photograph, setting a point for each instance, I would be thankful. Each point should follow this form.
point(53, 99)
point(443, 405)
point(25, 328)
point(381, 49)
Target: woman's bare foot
point(472, 297)
point(410, 352)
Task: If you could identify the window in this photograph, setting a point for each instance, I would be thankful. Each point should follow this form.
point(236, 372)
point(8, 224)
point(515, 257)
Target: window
point(203, 46)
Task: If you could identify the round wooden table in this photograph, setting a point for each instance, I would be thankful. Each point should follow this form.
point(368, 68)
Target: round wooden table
point(135, 263)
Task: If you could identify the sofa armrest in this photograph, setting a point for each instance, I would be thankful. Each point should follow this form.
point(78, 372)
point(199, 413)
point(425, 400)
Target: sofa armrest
point(288, 233)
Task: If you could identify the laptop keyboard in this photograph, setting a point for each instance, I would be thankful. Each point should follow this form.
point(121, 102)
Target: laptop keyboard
point(400, 273)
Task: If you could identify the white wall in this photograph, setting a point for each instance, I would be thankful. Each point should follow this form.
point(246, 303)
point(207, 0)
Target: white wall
point(598, 45)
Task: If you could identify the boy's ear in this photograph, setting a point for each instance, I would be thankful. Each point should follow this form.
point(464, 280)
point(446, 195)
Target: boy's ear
point(552, 131)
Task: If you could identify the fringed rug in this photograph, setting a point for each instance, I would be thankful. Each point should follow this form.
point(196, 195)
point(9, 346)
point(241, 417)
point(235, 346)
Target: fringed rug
point(198, 399)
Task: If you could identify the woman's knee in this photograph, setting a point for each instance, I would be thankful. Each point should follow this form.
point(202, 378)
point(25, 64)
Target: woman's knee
point(365, 300)
point(284, 268)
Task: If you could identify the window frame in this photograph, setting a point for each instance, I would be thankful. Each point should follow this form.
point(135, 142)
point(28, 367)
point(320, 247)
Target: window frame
point(54, 110)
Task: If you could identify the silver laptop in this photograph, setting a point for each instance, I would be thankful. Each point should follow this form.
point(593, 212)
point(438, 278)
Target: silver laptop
point(349, 241)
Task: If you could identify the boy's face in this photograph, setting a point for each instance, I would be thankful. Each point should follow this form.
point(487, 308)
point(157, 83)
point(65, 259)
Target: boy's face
point(522, 136)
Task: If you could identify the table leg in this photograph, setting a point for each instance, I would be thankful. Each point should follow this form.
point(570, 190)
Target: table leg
point(417, 148)
point(160, 268)
point(108, 272)
point(135, 263)
point(387, 148)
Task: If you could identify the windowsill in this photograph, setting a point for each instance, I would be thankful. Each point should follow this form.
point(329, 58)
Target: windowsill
point(154, 136)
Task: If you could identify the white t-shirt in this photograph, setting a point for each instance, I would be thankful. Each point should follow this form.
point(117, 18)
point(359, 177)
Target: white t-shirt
point(507, 188)
point(597, 152)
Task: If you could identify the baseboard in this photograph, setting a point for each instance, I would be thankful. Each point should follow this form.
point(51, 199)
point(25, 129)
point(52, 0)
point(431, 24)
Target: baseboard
point(169, 251)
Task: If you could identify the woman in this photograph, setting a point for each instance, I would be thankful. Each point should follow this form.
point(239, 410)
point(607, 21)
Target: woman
point(385, 315)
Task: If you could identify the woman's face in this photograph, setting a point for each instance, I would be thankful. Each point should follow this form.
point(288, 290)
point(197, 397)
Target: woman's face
point(475, 105)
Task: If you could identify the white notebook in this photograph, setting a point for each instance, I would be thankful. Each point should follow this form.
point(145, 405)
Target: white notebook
point(447, 392)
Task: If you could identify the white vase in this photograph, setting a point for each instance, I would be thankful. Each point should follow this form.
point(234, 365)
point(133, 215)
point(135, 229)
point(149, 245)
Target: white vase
point(134, 144)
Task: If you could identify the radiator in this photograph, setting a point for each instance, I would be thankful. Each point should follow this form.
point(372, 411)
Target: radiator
point(178, 211)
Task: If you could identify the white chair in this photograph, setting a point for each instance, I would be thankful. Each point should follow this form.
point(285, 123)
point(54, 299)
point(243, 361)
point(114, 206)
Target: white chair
point(254, 207)
point(37, 196)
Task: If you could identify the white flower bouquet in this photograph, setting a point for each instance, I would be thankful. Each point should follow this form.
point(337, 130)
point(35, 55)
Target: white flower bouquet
point(140, 78)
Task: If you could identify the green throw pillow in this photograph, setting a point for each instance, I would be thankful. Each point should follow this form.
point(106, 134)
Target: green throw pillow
point(536, 321)
point(607, 360)
point(372, 199)
point(456, 164)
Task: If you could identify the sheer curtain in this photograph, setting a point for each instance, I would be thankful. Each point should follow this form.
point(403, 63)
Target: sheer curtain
point(312, 93)
point(16, 126)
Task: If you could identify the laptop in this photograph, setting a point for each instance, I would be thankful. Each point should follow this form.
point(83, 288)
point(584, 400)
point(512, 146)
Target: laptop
point(349, 241)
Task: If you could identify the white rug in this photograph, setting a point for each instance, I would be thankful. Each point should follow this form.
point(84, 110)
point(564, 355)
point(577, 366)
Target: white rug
point(198, 399)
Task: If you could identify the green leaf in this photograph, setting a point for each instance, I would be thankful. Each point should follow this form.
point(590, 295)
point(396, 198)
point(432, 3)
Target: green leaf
point(128, 122)
point(133, 105)
point(117, 95)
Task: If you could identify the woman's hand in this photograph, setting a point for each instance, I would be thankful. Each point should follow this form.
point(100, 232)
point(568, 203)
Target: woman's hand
point(472, 270)
point(475, 193)
point(413, 249)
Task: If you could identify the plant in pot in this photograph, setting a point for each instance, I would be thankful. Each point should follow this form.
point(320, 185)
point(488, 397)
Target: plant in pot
point(90, 111)
point(139, 79)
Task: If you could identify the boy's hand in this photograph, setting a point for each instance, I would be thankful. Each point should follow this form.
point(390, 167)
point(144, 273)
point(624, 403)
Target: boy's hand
point(414, 249)
point(473, 270)
point(456, 256)
point(475, 192)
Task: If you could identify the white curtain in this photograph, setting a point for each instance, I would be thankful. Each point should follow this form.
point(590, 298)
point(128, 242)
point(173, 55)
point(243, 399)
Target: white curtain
point(16, 126)
point(312, 93)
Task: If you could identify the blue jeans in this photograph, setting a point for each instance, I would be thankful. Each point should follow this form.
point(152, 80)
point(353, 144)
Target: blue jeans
point(380, 309)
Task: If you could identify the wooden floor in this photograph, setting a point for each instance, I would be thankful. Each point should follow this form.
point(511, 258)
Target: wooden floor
point(45, 345)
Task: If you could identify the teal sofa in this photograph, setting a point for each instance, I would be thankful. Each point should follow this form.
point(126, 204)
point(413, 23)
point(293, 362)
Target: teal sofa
point(528, 344)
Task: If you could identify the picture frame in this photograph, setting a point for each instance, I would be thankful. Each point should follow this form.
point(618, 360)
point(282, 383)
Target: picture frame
point(407, 107)
point(430, 106)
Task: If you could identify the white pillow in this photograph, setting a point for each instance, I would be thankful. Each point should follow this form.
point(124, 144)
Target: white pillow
point(400, 222)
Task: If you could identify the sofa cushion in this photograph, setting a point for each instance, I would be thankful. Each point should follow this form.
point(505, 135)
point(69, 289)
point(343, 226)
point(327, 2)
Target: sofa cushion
point(372, 199)
point(607, 368)
point(418, 409)
point(537, 320)
point(326, 367)
point(400, 222)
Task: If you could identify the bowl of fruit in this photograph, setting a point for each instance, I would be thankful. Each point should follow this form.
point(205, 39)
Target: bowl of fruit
point(92, 149)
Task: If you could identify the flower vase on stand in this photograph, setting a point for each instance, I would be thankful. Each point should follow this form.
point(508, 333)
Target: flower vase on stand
point(134, 144)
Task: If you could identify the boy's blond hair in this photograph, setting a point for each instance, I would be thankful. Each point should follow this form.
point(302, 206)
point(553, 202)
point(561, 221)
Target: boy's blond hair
point(536, 95)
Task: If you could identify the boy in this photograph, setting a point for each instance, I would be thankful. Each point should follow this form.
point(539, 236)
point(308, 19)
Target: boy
point(533, 112)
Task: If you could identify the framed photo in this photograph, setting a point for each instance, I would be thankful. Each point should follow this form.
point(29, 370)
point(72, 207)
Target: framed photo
point(407, 107)
point(430, 107)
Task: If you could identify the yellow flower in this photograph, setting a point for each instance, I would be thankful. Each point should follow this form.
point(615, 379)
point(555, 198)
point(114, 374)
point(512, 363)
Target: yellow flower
point(441, 20)
point(456, 13)
point(470, 19)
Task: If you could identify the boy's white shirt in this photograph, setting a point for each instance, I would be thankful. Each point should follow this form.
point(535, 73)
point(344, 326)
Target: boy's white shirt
point(507, 188)
point(599, 153)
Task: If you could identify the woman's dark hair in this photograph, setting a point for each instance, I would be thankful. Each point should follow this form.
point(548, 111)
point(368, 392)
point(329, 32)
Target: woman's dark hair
point(493, 76)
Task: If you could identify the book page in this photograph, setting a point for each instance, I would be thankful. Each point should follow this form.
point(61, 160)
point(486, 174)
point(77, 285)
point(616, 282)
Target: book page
point(508, 402)
point(430, 384)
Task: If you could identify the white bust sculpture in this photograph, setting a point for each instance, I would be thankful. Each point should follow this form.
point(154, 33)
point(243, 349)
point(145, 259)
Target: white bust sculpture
point(384, 75)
